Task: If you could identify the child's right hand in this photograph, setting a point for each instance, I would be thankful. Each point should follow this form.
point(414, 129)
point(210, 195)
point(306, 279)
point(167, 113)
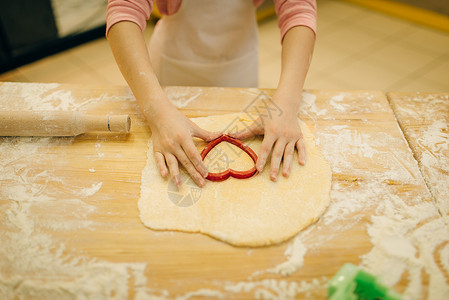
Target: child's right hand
point(172, 134)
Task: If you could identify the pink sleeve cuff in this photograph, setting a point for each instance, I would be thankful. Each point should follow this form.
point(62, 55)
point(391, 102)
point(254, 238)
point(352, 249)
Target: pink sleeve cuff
point(293, 13)
point(136, 11)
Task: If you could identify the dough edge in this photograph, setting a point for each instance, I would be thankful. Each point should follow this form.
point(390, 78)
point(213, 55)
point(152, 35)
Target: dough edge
point(151, 175)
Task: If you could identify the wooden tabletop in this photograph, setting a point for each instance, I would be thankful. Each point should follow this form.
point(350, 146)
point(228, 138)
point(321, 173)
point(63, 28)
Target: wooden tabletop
point(70, 223)
point(424, 118)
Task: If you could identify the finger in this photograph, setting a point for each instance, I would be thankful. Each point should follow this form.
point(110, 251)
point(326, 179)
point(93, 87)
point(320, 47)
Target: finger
point(254, 129)
point(204, 134)
point(264, 151)
point(196, 176)
point(160, 162)
point(301, 151)
point(288, 157)
point(195, 158)
point(172, 164)
point(276, 157)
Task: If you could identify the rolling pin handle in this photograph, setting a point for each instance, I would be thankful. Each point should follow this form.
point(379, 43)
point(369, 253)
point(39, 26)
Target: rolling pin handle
point(120, 123)
point(114, 123)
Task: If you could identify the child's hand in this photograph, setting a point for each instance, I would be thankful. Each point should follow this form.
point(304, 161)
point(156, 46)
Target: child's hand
point(172, 134)
point(282, 133)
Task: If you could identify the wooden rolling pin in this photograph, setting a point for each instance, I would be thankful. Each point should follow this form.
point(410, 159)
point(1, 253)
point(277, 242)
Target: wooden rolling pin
point(59, 123)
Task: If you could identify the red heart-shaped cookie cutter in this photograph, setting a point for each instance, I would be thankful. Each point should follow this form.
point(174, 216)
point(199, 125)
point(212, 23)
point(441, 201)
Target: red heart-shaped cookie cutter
point(230, 172)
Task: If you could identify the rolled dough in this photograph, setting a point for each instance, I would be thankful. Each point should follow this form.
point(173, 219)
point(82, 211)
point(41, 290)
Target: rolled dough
point(241, 212)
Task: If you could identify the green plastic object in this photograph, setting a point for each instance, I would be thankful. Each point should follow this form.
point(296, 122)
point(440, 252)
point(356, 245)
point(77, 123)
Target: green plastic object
point(352, 283)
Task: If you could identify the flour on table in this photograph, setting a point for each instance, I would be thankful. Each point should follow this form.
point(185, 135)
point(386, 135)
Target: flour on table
point(435, 161)
point(294, 253)
point(335, 102)
point(409, 238)
point(49, 96)
point(277, 289)
point(425, 120)
point(89, 191)
point(36, 203)
point(29, 253)
point(250, 212)
point(309, 108)
point(181, 96)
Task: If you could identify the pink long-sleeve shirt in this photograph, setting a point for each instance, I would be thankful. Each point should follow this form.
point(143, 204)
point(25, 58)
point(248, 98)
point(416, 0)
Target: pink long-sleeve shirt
point(290, 13)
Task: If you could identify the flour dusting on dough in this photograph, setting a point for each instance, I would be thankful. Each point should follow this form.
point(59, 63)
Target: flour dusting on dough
point(251, 212)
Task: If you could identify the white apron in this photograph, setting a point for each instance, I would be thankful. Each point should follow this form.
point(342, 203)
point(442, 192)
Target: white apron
point(207, 43)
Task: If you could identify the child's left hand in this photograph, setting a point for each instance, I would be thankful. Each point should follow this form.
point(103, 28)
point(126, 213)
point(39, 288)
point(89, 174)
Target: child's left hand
point(282, 133)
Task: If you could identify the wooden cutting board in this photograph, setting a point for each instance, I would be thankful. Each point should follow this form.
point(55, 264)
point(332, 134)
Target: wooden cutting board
point(70, 223)
point(424, 117)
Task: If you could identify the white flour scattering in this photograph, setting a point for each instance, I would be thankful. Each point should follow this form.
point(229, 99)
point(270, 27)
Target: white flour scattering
point(204, 293)
point(335, 102)
point(277, 289)
point(407, 238)
point(435, 161)
point(309, 108)
point(28, 253)
point(263, 289)
point(89, 191)
point(410, 239)
point(182, 96)
point(48, 97)
point(37, 96)
point(425, 120)
point(251, 92)
point(294, 253)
